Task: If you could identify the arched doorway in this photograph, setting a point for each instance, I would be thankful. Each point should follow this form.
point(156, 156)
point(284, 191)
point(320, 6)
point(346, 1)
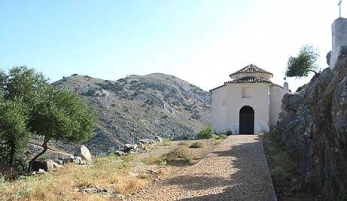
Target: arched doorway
point(246, 120)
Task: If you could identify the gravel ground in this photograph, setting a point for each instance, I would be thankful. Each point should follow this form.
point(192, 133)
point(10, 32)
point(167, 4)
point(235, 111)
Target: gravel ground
point(235, 171)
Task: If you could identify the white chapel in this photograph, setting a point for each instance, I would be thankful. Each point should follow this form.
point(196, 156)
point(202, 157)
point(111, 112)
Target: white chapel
point(247, 104)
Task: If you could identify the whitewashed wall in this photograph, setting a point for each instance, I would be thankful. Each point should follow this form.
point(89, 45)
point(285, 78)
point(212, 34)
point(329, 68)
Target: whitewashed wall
point(259, 101)
point(219, 110)
point(276, 94)
point(339, 33)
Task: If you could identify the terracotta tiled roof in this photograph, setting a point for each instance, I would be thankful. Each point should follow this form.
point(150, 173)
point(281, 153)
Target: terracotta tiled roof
point(249, 79)
point(251, 69)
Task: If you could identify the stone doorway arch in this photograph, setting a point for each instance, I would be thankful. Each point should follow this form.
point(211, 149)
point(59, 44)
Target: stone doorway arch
point(246, 121)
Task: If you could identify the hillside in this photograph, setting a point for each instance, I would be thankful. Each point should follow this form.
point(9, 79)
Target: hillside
point(139, 107)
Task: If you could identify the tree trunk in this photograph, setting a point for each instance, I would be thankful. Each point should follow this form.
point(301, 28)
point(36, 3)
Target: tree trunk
point(315, 72)
point(12, 151)
point(45, 147)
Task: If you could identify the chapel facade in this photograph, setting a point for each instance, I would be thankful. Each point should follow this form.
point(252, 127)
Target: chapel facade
point(247, 104)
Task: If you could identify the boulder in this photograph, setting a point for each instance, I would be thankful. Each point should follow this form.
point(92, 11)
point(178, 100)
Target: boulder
point(77, 160)
point(130, 148)
point(328, 57)
point(119, 153)
point(44, 165)
point(158, 138)
point(146, 141)
point(84, 153)
point(41, 171)
point(142, 146)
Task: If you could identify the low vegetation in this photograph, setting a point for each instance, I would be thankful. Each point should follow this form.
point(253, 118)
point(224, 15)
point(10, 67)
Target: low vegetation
point(166, 142)
point(115, 174)
point(196, 145)
point(283, 166)
point(72, 181)
point(178, 153)
point(205, 133)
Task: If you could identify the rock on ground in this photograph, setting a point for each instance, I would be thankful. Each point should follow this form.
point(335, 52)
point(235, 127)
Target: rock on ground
point(84, 153)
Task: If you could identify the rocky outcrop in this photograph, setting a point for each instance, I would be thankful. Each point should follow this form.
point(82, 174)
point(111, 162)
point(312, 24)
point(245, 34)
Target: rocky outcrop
point(140, 107)
point(84, 153)
point(314, 126)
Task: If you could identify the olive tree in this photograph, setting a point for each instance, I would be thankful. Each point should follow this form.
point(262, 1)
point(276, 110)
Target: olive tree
point(20, 91)
point(13, 132)
point(62, 115)
point(304, 63)
point(29, 105)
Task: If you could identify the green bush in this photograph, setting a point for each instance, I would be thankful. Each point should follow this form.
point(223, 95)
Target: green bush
point(183, 144)
point(179, 152)
point(205, 133)
point(166, 142)
point(196, 145)
point(219, 137)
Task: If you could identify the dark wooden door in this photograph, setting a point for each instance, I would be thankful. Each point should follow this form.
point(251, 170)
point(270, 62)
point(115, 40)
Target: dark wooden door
point(246, 120)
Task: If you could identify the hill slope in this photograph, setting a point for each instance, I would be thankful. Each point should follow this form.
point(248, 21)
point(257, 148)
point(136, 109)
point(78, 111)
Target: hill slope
point(139, 107)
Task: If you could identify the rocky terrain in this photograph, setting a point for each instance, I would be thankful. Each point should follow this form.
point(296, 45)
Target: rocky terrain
point(138, 107)
point(314, 126)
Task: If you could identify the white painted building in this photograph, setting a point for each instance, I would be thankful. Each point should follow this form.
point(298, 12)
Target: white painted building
point(247, 104)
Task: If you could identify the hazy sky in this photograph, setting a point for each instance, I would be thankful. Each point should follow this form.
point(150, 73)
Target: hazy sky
point(200, 41)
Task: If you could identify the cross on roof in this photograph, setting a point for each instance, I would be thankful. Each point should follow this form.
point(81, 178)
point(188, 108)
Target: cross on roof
point(340, 4)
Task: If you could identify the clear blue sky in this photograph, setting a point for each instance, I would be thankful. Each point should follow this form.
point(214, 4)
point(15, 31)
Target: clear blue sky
point(200, 41)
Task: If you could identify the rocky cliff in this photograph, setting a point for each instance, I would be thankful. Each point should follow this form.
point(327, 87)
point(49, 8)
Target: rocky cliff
point(314, 125)
point(139, 107)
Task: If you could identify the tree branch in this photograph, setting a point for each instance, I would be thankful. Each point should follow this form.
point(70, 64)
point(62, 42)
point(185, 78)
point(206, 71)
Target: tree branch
point(315, 72)
point(45, 147)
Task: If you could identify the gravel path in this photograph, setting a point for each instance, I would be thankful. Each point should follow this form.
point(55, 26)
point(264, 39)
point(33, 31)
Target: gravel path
point(235, 170)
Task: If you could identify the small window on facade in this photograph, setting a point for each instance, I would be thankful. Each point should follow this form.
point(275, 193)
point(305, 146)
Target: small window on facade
point(246, 92)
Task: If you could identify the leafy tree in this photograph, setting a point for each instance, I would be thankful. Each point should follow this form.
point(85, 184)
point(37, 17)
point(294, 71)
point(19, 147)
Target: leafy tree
point(29, 105)
point(64, 116)
point(22, 82)
point(13, 131)
point(304, 63)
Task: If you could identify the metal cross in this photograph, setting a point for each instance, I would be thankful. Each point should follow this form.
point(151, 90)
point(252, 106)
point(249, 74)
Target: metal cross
point(340, 3)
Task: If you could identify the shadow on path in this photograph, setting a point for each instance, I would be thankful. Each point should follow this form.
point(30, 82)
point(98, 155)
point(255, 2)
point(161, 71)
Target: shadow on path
point(250, 181)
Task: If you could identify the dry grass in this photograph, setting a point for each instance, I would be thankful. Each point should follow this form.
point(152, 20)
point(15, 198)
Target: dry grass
point(178, 153)
point(110, 172)
point(183, 143)
point(166, 142)
point(60, 185)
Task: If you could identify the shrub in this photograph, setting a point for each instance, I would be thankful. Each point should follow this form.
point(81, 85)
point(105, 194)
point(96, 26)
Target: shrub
point(278, 172)
point(166, 142)
point(154, 160)
point(196, 145)
point(183, 144)
point(179, 152)
point(205, 133)
point(219, 137)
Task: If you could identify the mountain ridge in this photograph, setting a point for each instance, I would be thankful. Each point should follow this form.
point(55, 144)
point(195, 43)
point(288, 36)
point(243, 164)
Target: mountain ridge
point(141, 106)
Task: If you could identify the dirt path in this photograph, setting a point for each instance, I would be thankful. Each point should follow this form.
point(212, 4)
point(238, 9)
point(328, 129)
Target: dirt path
point(235, 170)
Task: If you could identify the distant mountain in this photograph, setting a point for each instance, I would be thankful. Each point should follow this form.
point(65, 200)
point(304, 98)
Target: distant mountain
point(138, 107)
